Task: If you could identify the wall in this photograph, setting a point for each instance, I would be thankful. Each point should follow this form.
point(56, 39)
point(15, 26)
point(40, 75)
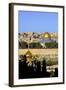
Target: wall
point(4, 44)
point(40, 51)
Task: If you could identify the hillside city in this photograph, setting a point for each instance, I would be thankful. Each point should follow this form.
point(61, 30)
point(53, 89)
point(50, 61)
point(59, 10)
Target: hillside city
point(33, 38)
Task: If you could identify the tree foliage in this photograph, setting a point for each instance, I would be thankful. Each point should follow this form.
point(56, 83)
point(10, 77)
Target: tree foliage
point(23, 45)
point(35, 45)
point(51, 45)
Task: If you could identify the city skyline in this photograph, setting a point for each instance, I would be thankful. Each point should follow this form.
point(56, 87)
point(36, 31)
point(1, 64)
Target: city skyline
point(31, 21)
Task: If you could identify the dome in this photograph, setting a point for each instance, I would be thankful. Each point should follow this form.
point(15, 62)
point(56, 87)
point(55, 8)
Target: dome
point(46, 35)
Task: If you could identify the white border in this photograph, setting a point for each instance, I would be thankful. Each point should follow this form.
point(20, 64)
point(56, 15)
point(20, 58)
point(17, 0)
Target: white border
point(60, 48)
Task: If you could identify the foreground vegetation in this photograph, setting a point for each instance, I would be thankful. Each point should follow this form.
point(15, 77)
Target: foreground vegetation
point(24, 45)
point(35, 70)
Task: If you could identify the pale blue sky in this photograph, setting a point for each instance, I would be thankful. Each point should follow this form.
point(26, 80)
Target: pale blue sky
point(31, 21)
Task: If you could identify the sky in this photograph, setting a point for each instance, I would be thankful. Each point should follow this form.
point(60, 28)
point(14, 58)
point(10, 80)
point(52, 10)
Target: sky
point(31, 21)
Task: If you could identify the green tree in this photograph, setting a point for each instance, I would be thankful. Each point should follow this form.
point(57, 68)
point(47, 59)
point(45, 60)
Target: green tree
point(51, 44)
point(23, 45)
point(35, 45)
